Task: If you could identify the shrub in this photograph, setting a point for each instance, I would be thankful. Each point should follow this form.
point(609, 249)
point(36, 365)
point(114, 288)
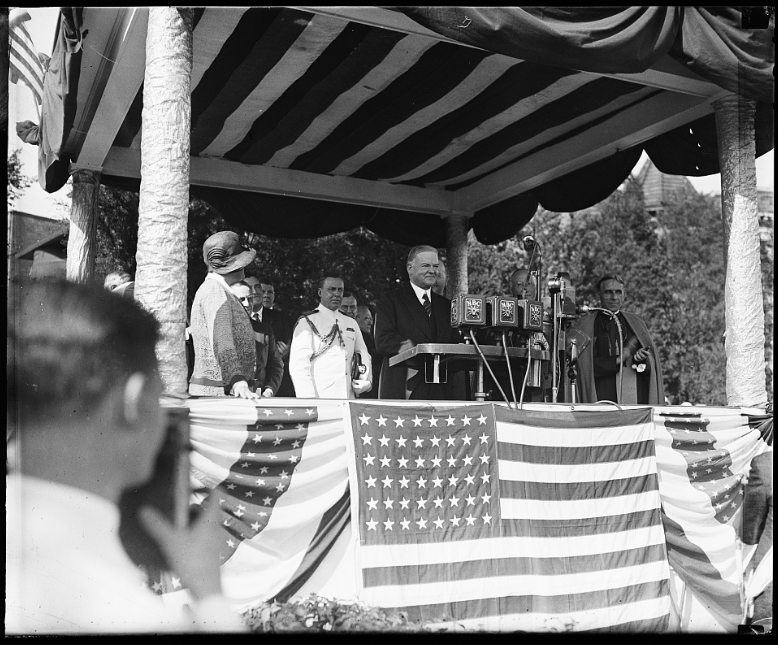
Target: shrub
point(318, 614)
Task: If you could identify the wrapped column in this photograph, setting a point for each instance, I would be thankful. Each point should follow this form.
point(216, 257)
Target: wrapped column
point(160, 278)
point(744, 345)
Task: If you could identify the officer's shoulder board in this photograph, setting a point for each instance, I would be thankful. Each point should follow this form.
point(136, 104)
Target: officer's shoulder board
point(304, 316)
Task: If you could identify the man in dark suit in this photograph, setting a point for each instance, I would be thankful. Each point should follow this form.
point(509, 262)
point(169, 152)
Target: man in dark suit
point(364, 319)
point(264, 310)
point(411, 315)
point(270, 366)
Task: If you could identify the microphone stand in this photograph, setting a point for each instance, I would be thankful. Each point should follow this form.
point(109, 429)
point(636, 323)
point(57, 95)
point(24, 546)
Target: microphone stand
point(554, 346)
point(510, 371)
point(572, 371)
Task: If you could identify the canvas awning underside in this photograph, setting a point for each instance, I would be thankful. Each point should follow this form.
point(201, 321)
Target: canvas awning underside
point(309, 121)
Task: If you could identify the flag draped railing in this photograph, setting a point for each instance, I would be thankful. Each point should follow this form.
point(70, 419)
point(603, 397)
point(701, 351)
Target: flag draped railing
point(499, 520)
point(480, 517)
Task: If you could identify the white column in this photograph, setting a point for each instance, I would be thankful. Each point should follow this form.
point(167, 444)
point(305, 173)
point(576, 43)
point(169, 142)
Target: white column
point(744, 346)
point(160, 277)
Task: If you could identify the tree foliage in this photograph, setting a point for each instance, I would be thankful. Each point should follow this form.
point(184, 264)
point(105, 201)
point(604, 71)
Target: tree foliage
point(672, 265)
point(368, 264)
point(17, 181)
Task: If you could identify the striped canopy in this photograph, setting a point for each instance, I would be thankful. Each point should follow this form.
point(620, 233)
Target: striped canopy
point(311, 120)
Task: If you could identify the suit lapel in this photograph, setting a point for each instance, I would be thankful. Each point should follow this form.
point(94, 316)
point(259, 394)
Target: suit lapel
point(441, 313)
point(418, 316)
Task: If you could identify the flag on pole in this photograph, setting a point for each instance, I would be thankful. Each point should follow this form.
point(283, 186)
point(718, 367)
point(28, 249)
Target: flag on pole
point(24, 60)
point(481, 517)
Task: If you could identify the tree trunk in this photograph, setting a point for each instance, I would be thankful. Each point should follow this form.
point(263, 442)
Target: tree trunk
point(456, 254)
point(160, 279)
point(744, 345)
point(80, 265)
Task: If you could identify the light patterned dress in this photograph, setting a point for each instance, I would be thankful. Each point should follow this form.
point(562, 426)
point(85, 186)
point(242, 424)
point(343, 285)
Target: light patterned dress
point(223, 340)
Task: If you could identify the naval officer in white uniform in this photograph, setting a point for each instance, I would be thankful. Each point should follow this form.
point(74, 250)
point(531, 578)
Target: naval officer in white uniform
point(328, 358)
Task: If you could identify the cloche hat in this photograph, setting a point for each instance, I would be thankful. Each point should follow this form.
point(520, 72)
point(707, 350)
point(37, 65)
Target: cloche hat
point(223, 253)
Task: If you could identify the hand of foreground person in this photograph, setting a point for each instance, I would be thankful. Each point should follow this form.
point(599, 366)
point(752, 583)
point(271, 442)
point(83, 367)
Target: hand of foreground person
point(191, 552)
point(242, 390)
point(283, 348)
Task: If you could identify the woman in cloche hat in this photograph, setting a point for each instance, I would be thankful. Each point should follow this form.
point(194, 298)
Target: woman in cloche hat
point(224, 353)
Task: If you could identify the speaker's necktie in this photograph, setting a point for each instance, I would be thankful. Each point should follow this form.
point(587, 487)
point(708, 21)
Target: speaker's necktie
point(427, 304)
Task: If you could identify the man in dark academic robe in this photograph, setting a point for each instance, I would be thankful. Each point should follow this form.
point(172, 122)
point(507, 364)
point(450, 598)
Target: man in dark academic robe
point(611, 365)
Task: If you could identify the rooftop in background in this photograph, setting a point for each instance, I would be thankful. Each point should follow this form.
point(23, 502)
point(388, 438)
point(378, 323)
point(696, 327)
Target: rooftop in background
point(35, 241)
point(658, 185)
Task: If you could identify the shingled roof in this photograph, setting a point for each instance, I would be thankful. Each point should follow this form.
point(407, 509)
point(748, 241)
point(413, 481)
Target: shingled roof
point(658, 186)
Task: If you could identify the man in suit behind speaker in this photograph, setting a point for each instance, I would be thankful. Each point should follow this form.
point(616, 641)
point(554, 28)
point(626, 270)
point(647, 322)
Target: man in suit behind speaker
point(411, 315)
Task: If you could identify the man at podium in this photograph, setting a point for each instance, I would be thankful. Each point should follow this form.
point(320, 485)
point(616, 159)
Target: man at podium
point(411, 315)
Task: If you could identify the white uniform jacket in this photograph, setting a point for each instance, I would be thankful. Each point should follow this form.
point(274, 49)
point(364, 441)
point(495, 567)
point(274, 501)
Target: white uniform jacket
point(320, 359)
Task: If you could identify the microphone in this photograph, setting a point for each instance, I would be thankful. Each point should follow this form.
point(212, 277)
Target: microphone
point(573, 352)
point(529, 243)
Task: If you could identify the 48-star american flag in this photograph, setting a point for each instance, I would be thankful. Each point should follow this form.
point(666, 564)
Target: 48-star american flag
point(495, 519)
point(476, 516)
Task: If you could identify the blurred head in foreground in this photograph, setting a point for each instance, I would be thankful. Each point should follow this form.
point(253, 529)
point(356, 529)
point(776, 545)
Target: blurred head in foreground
point(83, 387)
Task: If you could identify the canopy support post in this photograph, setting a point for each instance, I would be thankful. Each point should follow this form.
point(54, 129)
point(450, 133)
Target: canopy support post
point(82, 241)
point(456, 254)
point(744, 343)
point(163, 209)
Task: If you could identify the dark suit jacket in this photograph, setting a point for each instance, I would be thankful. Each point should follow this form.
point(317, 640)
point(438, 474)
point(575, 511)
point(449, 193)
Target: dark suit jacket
point(400, 316)
point(758, 523)
point(270, 367)
point(758, 500)
point(375, 363)
point(283, 326)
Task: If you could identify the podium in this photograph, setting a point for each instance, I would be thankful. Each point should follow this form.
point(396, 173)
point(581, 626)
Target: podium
point(436, 359)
